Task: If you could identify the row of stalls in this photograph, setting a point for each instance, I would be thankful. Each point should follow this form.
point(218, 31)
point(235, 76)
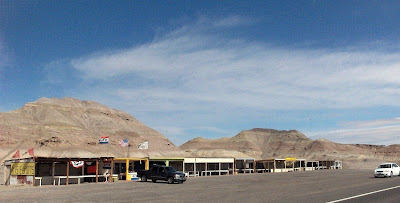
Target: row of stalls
point(64, 171)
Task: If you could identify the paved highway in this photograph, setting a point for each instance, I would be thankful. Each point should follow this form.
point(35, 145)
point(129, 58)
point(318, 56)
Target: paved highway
point(309, 186)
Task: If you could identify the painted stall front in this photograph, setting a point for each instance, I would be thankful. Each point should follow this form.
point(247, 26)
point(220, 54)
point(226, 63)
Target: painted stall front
point(19, 171)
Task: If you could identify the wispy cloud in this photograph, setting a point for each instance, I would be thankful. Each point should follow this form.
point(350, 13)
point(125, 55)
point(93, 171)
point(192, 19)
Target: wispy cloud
point(195, 68)
point(373, 123)
point(170, 130)
point(383, 132)
point(193, 71)
point(232, 21)
point(214, 129)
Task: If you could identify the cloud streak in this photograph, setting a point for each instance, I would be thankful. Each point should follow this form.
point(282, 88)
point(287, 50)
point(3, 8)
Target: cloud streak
point(206, 69)
point(383, 132)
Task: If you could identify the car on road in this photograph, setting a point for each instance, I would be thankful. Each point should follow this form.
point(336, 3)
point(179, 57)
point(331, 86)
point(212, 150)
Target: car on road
point(165, 173)
point(387, 170)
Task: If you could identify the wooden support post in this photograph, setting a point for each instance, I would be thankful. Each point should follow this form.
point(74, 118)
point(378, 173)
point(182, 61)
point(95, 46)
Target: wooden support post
point(194, 167)
point(219, 168)
point(234, 166)
point(110, 179)
point(83, 172)
point(5, 174)
point(8, 175)
point(34, 174)
point(83, 169)
point(67, 172)
point(127, 170)
point(97, 170)
point(53, 168)
point(274, 166)
point(206, 168)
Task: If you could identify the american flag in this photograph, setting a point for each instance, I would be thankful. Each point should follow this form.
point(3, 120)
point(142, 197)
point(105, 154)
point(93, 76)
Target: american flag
point(124, 142)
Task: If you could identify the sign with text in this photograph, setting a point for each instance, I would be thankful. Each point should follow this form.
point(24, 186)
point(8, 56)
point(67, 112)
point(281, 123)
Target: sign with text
point(27, 169)
point(290, 159)
point(107, 164)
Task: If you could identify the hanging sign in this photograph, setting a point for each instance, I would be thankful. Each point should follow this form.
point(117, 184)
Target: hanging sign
point(106, 164)
point(290, 159)
point(27, 168)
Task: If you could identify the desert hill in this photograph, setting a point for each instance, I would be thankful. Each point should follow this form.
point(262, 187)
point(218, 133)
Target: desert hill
point(268, 143)
point(69, 127)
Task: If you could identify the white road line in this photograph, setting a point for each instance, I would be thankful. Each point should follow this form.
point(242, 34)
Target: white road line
point(365, 194)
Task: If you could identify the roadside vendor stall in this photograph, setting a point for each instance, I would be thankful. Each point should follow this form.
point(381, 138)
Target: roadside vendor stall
point(126, 168)
point(244, 165)
point(177, 163)
point(278, 165)
point(204, 166)
point(56, 170)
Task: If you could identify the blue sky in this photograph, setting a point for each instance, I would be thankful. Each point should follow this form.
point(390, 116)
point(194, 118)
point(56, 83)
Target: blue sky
point(329, 69)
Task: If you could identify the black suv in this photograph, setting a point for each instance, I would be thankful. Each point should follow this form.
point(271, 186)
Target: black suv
point(165, 173)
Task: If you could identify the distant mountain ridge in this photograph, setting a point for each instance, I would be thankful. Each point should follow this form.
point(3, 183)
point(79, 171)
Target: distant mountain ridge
point(269, 143)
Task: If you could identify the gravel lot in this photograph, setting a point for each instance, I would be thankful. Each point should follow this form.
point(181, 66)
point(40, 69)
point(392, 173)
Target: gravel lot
point(309, 186)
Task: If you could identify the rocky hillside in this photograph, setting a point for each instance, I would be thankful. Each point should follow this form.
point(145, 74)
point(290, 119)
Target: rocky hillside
point(268, 143)
point(69, 127)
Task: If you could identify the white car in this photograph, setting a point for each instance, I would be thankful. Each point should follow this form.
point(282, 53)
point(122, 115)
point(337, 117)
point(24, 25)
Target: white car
point(387, 170)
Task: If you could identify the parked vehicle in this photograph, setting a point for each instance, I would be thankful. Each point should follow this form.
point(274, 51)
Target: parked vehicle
point(387, 170)
point(165, 173)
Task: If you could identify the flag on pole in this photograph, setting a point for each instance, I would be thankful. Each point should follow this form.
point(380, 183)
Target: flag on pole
point(123, 143)
point(16, 155)
point(144, 145)
point(104, 140)
point(30, 151)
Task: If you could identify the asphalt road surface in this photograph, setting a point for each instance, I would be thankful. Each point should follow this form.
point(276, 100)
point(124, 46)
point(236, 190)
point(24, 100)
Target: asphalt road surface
point(308, 186)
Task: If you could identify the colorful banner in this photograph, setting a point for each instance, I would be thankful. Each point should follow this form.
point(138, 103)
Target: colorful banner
point(16, 155)
point(31, 152)
point(77, 164)
point(104, 140)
